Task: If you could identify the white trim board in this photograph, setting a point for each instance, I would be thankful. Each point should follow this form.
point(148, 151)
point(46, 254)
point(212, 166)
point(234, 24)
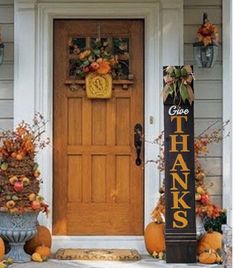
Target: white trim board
point(227, 107)
point(34, 73)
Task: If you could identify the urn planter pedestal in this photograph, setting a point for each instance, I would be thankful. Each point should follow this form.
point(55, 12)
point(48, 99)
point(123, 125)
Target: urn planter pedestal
point(17, 229)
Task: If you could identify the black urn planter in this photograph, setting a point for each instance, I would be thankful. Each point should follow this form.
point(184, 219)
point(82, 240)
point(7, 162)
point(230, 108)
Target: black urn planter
point(205, 56)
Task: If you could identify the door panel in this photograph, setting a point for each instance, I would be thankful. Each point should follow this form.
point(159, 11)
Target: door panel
point(98, 189)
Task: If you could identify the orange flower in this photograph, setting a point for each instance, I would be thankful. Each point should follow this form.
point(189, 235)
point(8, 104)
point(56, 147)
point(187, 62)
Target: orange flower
point(208, 34)
point(104, 67)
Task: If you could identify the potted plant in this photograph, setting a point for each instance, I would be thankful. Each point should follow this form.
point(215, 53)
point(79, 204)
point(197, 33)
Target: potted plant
point(20, 201)
point(206, 48)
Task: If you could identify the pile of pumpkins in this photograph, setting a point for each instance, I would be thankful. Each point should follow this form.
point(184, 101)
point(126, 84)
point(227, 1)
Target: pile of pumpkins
point(39, 247)
point(208, 247)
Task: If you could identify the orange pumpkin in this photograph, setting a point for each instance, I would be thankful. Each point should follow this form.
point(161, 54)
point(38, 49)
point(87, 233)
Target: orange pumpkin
point(210, 240)
point(154, 237)
point(43, 251)
point(2, 249)
point(42, 238)
point(209, 257)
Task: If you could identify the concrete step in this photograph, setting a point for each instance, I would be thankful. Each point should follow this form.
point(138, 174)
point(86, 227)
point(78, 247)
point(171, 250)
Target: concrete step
point(145, 262)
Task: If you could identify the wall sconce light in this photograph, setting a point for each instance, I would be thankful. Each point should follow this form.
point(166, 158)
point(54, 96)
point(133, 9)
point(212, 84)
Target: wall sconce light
point(1, 53)
point(205, 57)
point(206, 49)
point(1, 49)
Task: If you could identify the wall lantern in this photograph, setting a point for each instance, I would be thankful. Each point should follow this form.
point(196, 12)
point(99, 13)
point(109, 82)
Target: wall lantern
point(206, 49)
point(1, 53)
point(205, 57)
point(1, 50)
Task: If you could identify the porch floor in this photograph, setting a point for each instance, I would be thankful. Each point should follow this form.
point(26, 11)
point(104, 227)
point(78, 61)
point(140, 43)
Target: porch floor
point(145, 262)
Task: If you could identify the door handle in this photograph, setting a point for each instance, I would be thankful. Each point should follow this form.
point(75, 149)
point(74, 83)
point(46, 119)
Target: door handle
point(138, 132)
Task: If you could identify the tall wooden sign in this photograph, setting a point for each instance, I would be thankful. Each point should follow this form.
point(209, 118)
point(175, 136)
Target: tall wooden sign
point(180, 230)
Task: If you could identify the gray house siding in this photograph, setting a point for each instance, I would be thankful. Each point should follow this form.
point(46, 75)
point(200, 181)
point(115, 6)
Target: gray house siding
point(208, 87)
point(6, 69)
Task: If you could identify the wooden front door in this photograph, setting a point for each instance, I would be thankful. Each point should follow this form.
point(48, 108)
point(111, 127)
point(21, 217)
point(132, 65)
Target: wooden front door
point(98, 188)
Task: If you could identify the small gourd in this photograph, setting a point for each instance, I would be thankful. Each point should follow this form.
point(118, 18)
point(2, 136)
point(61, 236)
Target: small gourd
point(36, 257)
point(2, 249)
point(6, 263)
point(2, 265)
point(44, 252)
point(154, 237)
point(210, 240)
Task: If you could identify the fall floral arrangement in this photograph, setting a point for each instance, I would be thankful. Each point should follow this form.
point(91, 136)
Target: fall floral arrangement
point(207, 34)
point(97, 59)
point(204, 206)
point(19, 173)
point(177, 82)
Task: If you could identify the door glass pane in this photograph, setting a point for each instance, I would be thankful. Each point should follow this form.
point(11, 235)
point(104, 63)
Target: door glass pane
point(121, 49)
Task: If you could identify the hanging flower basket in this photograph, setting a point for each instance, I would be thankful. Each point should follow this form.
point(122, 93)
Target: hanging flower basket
point(206, 49)
point(98, 65)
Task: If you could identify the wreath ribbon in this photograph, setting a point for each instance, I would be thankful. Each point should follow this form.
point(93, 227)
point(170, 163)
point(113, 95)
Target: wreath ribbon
point(178, 80)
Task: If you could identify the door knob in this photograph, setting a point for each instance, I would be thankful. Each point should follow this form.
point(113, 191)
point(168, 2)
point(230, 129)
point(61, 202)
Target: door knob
point(138, 133)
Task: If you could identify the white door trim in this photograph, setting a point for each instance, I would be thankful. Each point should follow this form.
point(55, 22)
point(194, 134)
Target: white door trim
point(227, 106)
point(34, 83)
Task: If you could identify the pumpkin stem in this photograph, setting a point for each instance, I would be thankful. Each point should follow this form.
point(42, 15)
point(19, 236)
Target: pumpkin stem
point(210, 230)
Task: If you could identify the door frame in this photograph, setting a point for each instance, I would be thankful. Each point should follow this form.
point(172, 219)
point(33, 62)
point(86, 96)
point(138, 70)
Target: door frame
point(34, 83)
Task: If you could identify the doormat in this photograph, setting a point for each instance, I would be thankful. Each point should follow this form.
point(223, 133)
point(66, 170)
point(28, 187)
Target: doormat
point(98, 254)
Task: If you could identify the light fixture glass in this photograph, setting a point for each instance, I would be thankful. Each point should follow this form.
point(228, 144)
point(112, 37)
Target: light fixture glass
point(1, 53)
point(205, 56)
